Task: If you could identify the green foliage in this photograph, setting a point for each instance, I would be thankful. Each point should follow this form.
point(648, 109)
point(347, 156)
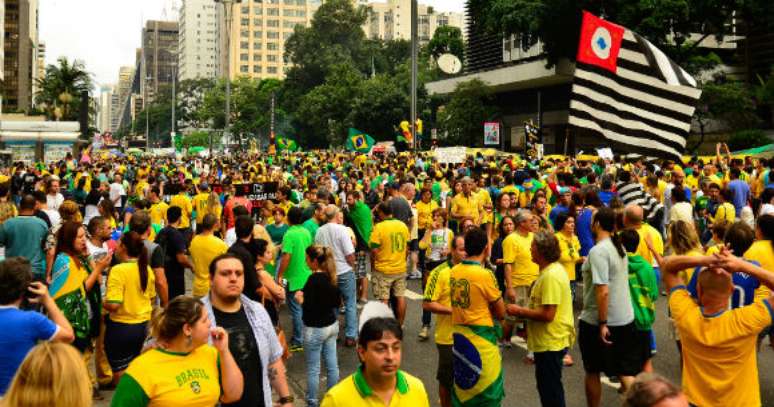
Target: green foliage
point(461, 122)
point(730, 103)
point(447, 40)
point(197, 139)
point(60, 89)
point(745, 139)
point(190, 102)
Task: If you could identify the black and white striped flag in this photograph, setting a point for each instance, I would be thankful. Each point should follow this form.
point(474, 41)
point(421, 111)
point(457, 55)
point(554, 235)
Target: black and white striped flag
point(629, 92)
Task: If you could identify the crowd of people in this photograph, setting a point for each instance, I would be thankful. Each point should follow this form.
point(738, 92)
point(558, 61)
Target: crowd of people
point(164, 280)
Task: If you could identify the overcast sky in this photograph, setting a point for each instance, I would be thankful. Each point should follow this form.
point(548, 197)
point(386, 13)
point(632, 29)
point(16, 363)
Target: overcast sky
point(105, 33)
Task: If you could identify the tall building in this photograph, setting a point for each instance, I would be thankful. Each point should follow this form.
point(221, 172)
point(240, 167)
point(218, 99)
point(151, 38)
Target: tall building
point(105, 109)
point(19, 65)
point(41, 67)
point(159, 56)
point(259, 30)
point(198, 43)
point(2, 43)
point(392, 21)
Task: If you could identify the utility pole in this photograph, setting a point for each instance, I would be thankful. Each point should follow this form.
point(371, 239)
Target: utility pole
point(228, 10)
point(414, 49)
point(145, 106)
point(174, 99)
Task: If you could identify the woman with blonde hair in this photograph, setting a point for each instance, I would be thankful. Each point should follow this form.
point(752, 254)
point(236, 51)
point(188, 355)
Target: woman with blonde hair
point(682, 238)
point(320, 300)
point(52, 375)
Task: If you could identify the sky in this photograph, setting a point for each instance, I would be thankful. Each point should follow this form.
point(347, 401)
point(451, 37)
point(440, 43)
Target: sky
point(105, 33)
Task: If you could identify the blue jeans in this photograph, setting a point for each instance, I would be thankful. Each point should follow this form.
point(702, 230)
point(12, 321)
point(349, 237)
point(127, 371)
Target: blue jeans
point(348, 287)
point(295, 316)
point(317, 342)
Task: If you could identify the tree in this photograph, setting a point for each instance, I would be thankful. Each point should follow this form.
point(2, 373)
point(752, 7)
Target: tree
point(190, 102)
point(196, 139)
point(461, 121)
point(380, 105)
point(447, 40)
point(61, 88)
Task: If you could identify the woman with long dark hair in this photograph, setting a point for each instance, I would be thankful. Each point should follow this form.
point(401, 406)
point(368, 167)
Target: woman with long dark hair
point(129, 300)
point(505, 228)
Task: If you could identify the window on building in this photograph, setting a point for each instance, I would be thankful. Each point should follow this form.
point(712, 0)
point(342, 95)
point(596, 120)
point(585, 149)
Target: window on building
point(245, 21)
point(272, 23)
point(257, 45)
point(258, 22)
point(257, 34)
point(271, 58)
point(257, 69)
point(244, 33)
point(244, 45)
point(245, 9)
point(244, 57)
point(272, 35)
point(257, 58)
point(258, 11)
point(272, 12)
point(244, 69)
point(272, 46)
point(271, 69)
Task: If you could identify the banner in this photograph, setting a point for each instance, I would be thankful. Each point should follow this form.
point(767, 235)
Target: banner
point(450, 155)
point(491, 134)
point(257, 192)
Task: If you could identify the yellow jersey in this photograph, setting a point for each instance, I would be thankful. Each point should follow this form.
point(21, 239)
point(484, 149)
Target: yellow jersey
point(473, 288)
point(465, 206)
point(354, 391)
point(483, 198)
point(569, 248)
point(517, 251)
point(184, 203)
point(390, 237)
point(762, 252)
point(162, 378)
point(719, 351)
point(725, 212)
point(644, 231)
point(158, 213)
point(425, 214)
point(123, 287)
point(199, 203)
point(438, 290)
point(552, 287)
point(204, 248)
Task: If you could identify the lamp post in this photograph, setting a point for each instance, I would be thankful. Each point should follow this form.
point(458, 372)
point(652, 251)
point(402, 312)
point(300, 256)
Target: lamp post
point(228, 13)
point(414, 69)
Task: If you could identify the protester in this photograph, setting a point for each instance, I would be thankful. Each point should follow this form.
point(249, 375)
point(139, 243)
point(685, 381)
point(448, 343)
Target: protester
point(294, 269)
point(205, 246)
point(389, 251)
point(174, 246)
point(24, 235)
point(650, 390)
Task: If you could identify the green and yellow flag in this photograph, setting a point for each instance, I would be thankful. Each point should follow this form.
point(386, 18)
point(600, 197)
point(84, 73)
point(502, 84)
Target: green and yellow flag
point(286, 144)
point(478, 374)
point(359, 141)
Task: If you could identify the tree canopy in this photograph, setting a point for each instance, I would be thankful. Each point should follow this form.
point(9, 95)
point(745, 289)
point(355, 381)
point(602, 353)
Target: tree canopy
point(59, 91)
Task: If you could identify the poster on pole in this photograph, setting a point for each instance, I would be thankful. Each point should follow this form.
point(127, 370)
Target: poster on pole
point(450, 155)
point(491, 134)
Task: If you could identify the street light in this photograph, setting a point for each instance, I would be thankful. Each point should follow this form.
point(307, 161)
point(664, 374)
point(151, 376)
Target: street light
point(414, 70)
point(228, 11)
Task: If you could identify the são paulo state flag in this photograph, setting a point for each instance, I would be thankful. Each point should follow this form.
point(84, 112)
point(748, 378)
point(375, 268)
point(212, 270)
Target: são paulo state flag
point(600, 42)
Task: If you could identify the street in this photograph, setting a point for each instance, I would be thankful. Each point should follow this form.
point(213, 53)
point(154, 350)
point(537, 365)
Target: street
point(420, 359)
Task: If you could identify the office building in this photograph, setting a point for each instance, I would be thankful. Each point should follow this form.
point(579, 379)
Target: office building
point(158, 65)
point(20, 59)
point(392, 21)
point(105, 109)
point(198, 47)
point(258, 34)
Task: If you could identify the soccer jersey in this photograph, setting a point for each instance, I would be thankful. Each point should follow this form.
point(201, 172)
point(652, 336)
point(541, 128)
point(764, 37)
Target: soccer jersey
point(425, 214)
point(199, 203)
point(184, 203)
point(354, 391)
point(123, 287)
point(158, 213)
point(390, 237)
point(473, 288)
point(438, 290)
point(552, 287)
point(163, 378)
point(465, 206)
point(570, 253)
point(294, 243)
point(762, 252)
point(517, 251)
point(646, 231)
point(719, 351)
point(204, 248)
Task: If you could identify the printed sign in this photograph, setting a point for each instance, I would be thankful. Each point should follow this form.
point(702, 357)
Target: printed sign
point(491, 134)
point(450, 155)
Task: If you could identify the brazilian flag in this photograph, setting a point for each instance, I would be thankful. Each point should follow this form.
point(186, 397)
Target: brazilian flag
point(286, 144)
point(478, 374)
point(359, 141)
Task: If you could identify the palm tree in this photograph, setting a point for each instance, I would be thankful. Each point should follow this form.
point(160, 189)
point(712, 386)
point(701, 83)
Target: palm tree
point(61, 87)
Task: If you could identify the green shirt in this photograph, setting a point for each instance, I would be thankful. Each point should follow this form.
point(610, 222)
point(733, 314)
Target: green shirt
point(294, 243)
point(277, 232)
point(643, 288)
point(312, 226)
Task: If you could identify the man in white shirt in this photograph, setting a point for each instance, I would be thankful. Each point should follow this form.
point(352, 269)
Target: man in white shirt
point(338, 238)
point(117, 191)
point(54, 198)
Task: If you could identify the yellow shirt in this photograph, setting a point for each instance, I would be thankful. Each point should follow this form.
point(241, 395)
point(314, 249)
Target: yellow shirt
point(644, 231)
point(204, 248)
point(687, 274)
point(438, 290)
point(159, 378)
point(570, 253)
point(725, 212)
point(464, 206)
point(158, 213)
point(184, 203)
point(354, 391)
point(517, 251)
point(552, 287)
point(483, 198)
point(425, 214)
point(199, 203)
point(140, 189)
point(762, 252)
point(473, 288)
point(123, 287)
point(719, 351)
point(390, 237)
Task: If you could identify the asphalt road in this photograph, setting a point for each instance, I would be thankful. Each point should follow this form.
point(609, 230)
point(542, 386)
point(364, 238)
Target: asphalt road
point(420, 359)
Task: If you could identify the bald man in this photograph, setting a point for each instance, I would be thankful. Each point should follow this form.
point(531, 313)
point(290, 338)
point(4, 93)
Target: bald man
point(633, 219)
point(677, 181)
point(718, 344)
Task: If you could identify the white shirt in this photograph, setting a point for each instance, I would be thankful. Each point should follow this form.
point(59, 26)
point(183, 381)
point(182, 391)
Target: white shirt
point(116, 191)
point(681, 211)
point(54, 201)
point(53, 216)
point(231, 237)
point(336, 237)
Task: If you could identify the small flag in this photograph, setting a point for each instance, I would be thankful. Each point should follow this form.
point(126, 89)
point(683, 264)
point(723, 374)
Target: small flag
point(359, 141)
point(286, 144)
point(630, 93)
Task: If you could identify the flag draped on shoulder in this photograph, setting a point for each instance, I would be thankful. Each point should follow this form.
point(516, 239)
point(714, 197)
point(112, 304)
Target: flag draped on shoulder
point(359, 141)
point(629, 92)
point(286, 144)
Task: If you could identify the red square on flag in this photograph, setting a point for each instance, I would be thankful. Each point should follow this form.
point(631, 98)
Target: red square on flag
point(600, 42)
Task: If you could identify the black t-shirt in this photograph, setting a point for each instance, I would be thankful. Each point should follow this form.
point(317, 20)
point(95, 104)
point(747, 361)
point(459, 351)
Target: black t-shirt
point(321, 301)
point(172, 242)
point(244, 348)
point(401, 210)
